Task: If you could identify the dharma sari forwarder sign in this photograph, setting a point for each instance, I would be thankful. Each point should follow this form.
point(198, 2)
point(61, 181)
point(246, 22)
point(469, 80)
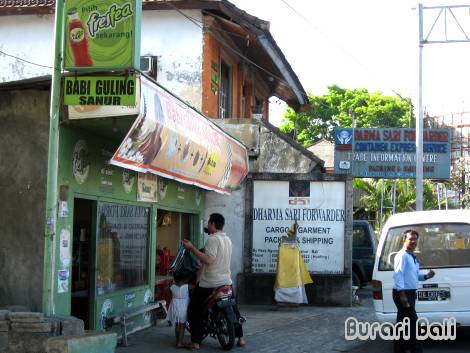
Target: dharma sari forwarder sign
point(318, 208)
point(102, 34)
point(391, 153)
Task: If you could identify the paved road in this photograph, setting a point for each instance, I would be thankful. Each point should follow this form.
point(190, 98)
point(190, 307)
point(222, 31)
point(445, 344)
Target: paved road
point(302, 330)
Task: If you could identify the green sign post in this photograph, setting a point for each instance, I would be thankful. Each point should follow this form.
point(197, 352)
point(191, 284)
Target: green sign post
point(100, 90)
point(102, 34)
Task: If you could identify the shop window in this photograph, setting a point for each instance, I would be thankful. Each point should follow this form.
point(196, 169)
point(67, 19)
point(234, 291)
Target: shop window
point(122, 254)
point(225, 96)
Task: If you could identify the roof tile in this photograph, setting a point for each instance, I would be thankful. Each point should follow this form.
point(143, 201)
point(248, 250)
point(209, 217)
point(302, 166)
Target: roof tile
point(27, 3)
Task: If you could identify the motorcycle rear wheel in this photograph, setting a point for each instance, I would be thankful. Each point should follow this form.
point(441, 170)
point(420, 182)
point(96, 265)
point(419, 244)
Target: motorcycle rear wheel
point(225, 331)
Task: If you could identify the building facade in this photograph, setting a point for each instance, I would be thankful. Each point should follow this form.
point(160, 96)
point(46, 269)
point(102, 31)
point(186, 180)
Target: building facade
point(220, 61)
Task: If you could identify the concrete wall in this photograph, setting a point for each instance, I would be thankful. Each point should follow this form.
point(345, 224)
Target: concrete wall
point(177, 42)
point(258, 289)
point(278, 156)
point(232, 207)
point(270, 150)
point(23, 166)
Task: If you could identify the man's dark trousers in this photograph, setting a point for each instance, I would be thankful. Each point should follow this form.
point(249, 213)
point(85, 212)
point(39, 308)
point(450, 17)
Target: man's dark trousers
point(413, 344)
point(197, 312)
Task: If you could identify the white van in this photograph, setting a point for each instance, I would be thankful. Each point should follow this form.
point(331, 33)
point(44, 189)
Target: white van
point(443, 246)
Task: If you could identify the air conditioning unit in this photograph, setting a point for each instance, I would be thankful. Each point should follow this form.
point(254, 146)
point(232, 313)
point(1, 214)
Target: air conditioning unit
point(148, 65)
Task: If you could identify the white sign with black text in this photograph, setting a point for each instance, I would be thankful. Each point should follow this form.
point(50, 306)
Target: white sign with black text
point(318, 207)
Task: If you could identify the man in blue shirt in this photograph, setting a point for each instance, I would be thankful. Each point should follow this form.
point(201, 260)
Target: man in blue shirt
point(405, 282)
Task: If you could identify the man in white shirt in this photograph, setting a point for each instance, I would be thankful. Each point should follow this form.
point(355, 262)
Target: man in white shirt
point(405, 282)
point(215, 273)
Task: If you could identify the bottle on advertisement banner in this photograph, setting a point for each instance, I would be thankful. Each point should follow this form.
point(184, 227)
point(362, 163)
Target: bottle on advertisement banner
point(78, 40)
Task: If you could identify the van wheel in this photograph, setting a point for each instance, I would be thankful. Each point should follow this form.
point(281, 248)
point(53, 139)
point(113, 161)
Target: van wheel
point(356, 280)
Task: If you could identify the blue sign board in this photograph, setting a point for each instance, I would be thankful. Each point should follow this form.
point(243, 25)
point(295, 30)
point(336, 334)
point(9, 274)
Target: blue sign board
point(391, 153)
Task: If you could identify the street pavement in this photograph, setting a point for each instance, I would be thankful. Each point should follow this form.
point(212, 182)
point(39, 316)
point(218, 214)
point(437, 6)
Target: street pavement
point(306, 329)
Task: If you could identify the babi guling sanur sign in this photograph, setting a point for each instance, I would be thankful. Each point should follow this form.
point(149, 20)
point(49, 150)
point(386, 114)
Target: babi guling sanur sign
point(100, 90)
point(391, 153)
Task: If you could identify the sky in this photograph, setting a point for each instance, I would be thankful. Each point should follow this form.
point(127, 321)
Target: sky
point(372, 44)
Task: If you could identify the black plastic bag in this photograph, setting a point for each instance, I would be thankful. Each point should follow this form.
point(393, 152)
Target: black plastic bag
point(184, 261)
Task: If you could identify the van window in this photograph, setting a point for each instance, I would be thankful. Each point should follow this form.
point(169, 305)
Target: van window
point(439, 245)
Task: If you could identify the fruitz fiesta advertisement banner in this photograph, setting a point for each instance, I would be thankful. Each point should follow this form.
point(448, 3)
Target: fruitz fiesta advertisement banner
point(174, 141)
point(102, 34)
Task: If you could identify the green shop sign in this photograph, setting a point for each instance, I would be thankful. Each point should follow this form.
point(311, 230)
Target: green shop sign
point(100, 90)
point(102, 34)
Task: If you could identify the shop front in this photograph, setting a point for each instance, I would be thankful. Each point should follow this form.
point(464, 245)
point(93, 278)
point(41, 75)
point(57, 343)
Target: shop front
point(114, 224)
point(131, 188)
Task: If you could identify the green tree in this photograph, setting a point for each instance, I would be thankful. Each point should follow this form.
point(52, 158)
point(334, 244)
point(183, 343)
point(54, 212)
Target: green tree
point(459, 181)
point(339, 107)
point(405, 198)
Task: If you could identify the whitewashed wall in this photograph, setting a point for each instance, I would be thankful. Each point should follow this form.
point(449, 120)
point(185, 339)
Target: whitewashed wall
point(232, 207)
point(178, 43)
point(29, 37)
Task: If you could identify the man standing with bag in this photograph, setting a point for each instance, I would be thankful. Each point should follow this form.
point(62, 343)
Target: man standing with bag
point(215, 273)
point(405, 283)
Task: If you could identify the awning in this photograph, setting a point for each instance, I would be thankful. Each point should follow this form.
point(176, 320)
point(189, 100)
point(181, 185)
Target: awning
point(173, 140)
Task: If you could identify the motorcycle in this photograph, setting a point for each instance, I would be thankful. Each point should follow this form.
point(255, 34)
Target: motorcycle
point(221, 317)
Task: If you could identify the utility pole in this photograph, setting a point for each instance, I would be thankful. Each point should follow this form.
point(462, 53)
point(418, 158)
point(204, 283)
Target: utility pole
point(462, 176)
point(52, 167)
point(419, 123)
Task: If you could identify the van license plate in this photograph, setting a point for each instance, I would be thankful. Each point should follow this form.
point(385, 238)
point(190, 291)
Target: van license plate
point(433, 295)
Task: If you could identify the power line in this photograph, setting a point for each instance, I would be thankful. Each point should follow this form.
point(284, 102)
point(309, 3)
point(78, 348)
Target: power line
point(323, 34)
point(222, 41)
point(367, 69)
point(229, 47)
point(194, 20)
point(26, 61)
